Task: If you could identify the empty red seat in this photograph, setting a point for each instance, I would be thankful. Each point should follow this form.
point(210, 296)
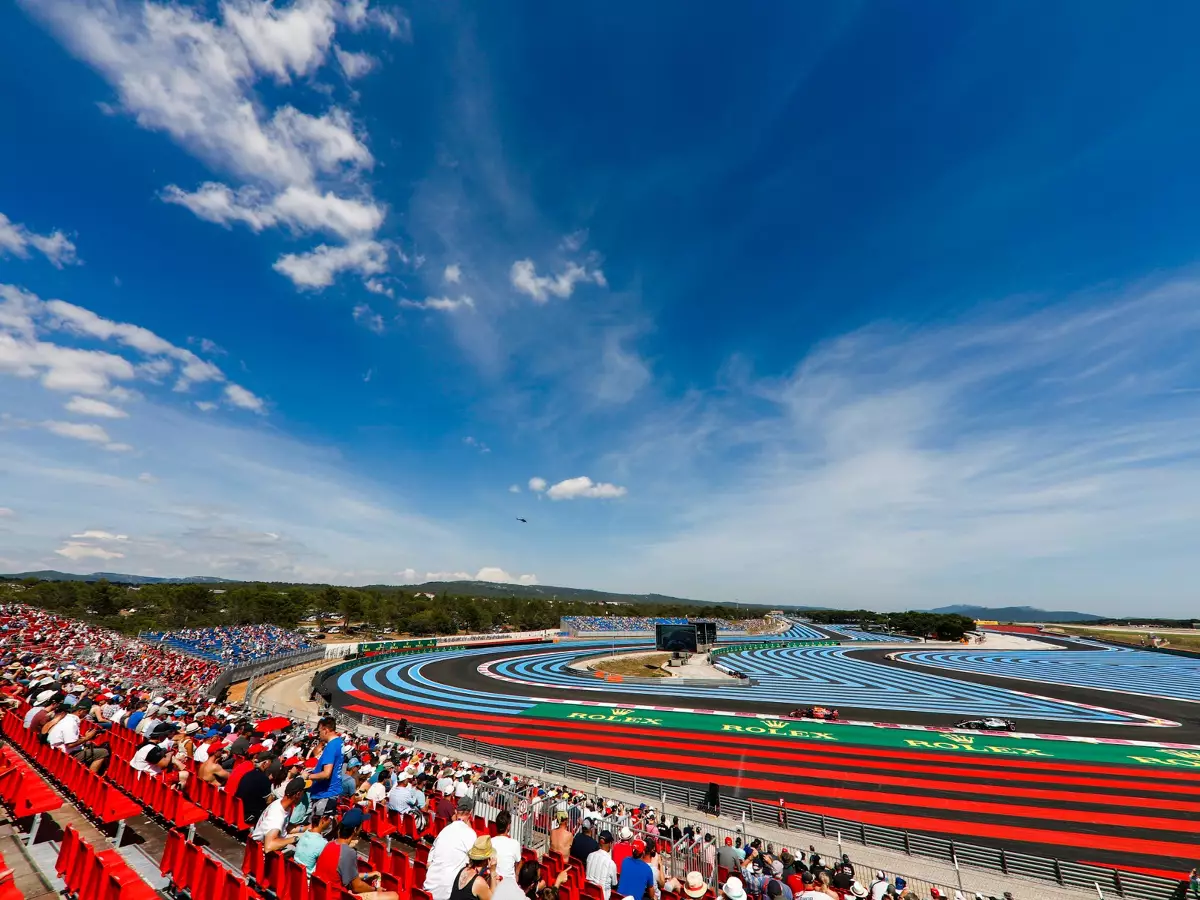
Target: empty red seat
point(295, 881)
point(253, 861)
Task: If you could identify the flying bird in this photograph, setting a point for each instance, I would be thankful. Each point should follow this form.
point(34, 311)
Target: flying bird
point(519, 519)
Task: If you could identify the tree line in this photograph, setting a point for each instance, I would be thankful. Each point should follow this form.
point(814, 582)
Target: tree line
point(167, 607)
point(946, 627)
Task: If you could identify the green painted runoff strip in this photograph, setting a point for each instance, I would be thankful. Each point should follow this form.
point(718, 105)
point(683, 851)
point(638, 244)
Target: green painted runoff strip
point(797, 732)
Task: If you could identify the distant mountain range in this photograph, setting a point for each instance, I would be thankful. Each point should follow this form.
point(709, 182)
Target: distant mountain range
point(114, 577)
point(1016, 614)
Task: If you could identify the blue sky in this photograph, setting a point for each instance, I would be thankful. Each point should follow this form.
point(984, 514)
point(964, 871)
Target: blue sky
point(847, 304)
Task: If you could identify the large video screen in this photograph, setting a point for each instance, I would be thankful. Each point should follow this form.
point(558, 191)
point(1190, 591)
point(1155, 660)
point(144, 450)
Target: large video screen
point(675, 637)
point(706, 633)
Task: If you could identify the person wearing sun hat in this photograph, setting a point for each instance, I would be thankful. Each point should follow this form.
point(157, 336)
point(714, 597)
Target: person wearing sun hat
point(479, 877)
point(732, 889)
point(694, 885)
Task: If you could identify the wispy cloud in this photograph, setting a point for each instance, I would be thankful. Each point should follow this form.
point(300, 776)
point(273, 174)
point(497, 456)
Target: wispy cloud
point(981, 460)
point(442, 304)
point(17, 240)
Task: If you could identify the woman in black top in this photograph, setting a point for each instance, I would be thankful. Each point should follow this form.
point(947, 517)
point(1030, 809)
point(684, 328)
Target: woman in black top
point(477, 879)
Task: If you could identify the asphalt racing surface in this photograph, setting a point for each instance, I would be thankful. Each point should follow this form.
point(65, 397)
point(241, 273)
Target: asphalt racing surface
point(1127, 798)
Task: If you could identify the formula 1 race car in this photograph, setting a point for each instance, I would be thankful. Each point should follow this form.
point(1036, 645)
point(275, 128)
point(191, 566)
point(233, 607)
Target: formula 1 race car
point(814, 712)
point(990, 723)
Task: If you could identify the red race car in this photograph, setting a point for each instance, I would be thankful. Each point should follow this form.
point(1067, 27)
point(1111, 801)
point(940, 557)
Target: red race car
point(814, 712)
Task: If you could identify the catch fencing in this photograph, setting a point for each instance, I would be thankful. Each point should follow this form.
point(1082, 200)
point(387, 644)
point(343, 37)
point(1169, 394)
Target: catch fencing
point(845, 831)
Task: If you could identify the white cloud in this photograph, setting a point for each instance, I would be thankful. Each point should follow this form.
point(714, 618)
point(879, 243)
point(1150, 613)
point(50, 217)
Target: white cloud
point(147, 478)
point(444, 304)
point(317, 268)
point(205, 405)
point(492, 573)
point(244, 399)
point(406, 576)
point(584, 488)
point(514, 489)
point(24, 317)
point(301, 209)
point(82, 321)
point(178, 71)
point(376, 286)
point(78, 431)
point(6, 513)
point(477, 444)
point(487, 573)
point(75, 550)
point(373, 320)
point(355, 65)
point(63, 368)
point(448, 576)
point(118, 447)
point(525, 279)
point(452, 274)
point(100, 536)
point(16, 239)
point(89, 406)
point(537, 484)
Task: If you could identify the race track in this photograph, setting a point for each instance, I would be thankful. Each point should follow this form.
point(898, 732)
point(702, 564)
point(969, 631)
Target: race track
point(1112, 794)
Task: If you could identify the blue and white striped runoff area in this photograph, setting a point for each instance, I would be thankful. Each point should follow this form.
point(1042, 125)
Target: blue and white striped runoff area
point(856, 634)
point(1103, 668)
point(786, 677)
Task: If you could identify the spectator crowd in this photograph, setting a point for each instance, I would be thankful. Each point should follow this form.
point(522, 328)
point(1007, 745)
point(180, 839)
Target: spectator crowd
point(303, 790)
point(233, 644)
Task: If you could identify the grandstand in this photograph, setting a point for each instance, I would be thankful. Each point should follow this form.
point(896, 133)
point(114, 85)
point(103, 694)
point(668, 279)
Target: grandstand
point(579, 625)
point(112, 691)
point(232, 645)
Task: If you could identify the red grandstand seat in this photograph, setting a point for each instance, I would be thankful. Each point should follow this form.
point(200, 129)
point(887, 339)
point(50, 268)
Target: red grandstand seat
point(295, 880)
point(400, 866)
point(378, 856)
point(327, 863)
point(591, 891)
point(253, 864)
point(419, 872)
point(173, 853)
point(322, 889)
point(69, 848)
point(419, 894)
point(276, 873)
point(722, 874)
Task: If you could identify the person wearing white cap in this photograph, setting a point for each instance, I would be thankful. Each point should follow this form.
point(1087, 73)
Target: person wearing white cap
point(857, 890)
point(879, 887)
point(733, 889)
